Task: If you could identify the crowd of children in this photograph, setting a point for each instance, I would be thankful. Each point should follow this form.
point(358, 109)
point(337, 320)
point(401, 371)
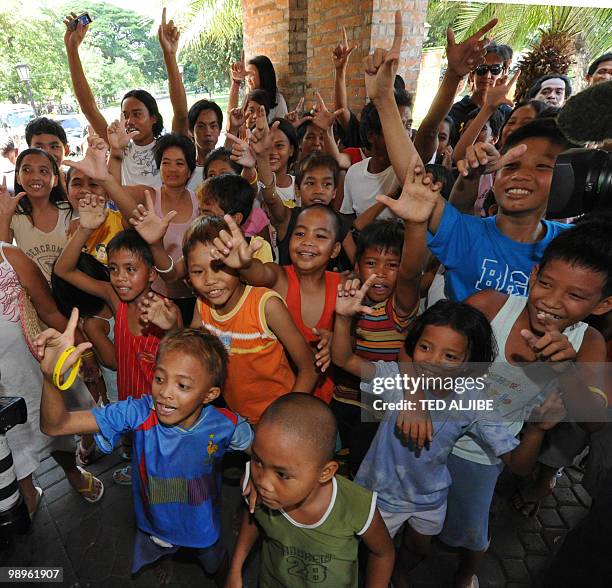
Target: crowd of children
point(252, 296)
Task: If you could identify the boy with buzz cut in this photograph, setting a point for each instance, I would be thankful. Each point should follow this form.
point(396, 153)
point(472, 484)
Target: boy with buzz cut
point(48, 135)
point(179, 440)
point(311, 520)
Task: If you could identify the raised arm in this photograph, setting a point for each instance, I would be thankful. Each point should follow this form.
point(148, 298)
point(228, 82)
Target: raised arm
point(415, 206)
point(8, 206)
point(462, 58)
point(168, 36)
point(82, 91)
point(495, 97)
point(237, 75)
point(340, 57)
point(260, 141)
point(92, 214)
point(349, 302)
point(234, 251)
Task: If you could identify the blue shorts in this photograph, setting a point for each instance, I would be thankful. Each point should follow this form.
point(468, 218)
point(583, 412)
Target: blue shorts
point(468, 504)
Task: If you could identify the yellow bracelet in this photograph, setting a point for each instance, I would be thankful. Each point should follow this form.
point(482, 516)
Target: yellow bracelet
point(599, 393)
point(255, 180)
point(57, 370)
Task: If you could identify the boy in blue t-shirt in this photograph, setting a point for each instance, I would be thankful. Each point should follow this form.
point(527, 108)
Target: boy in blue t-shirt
point(179, 440)
point(496, 252)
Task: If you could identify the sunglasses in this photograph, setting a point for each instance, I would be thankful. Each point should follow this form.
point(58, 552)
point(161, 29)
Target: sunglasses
point(482, 70)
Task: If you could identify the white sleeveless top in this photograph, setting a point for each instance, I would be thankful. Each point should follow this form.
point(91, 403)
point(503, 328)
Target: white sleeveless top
point(513, 391)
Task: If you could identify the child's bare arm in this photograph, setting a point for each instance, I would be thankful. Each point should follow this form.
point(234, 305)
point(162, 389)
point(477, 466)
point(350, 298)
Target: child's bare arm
point(247, 536)
point(168, 36)
point(281, 324)
point(349, 303)
point(415, 206)
point(340, 56)
point(237, 75)
point(382, 553)
point(54, 418)
point(94, 329)
point(92, 213)
point(234, 251)
point(522, 459)
point(152, 229)
point(82, 91)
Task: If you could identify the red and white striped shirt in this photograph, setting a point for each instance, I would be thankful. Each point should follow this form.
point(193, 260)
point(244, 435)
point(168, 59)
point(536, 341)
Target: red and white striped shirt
point(135, 356)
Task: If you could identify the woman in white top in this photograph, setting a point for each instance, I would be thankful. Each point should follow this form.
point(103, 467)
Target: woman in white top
point(261, 76)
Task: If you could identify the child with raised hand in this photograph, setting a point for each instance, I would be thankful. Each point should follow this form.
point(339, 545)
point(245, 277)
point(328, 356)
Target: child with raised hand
point(412, 486)
point(253, 323)
point(308, 289)
point(175, 490)
point(496, 252)
point(137, 329)
point(311, 521)
point(536, 336)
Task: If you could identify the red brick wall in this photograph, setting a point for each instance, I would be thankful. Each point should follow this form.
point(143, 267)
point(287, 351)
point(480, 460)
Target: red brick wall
point(299, 36)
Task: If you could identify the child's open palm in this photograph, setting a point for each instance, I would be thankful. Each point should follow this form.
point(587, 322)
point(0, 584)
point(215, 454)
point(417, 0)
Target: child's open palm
point(161, 312)
point(349, 300)
point(498, 94)
point(419, 196)
point(147, 223)
point(94, 162)
point(8, 203)
point(232, 249)
point(50, 344)
point(92, 211)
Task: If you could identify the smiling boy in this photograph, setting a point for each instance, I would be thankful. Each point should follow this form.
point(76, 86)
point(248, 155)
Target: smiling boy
point(179, 439)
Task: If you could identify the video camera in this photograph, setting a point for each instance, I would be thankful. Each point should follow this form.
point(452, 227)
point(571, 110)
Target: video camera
point(581, 183)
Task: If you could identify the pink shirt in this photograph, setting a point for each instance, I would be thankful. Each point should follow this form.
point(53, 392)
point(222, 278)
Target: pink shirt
point(173, 244)
point(257, 221)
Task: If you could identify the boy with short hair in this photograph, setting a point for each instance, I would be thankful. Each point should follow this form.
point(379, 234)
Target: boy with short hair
point(205, 123)
point(311, 520)
point(48, 135)
point(179, 439)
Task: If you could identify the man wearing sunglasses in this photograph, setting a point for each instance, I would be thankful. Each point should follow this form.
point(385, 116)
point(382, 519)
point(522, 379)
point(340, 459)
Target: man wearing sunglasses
point(481, 79)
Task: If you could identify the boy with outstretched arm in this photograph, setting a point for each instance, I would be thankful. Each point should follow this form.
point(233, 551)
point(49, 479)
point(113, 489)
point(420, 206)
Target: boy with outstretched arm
point(179, 439)
point(311, 520)
point(496, 252)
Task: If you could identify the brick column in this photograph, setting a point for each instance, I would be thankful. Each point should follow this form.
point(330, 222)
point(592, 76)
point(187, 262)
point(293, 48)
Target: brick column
point(299, 35)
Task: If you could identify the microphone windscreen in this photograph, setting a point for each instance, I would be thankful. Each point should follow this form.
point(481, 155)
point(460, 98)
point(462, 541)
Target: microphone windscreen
point(587, 116)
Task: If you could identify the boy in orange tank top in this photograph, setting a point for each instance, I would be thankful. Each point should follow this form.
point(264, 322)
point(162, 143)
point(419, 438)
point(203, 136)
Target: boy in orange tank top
point(253, 323)
point(308, 289)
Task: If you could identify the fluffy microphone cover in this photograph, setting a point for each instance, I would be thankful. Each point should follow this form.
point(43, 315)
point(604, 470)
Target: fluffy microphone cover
point(587, 116)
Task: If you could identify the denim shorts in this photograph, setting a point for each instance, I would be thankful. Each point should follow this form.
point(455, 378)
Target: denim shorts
point(468, 504)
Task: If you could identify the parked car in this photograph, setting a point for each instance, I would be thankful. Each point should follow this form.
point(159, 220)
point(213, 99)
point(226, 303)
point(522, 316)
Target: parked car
point(76, 131)
point(13, 120)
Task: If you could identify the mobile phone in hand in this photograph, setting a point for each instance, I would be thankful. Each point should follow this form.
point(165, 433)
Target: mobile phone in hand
point(84, 19)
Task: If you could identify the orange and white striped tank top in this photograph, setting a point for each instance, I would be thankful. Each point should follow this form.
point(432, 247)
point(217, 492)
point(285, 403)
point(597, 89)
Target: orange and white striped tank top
point(258, 370)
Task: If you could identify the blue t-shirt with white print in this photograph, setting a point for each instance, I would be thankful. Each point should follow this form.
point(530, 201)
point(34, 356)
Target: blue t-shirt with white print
point(478, 256)
point(411, 482)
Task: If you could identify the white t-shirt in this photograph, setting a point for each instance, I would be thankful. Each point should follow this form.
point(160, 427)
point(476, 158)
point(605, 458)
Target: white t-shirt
point(139, 166)
point(361, 188)
point(197, 177)
point(280, 110)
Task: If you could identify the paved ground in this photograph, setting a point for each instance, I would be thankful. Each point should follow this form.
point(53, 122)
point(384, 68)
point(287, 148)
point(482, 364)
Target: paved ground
point(93, 542)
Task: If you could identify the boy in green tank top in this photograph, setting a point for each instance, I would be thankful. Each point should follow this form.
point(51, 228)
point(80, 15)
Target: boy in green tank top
point(310, 519)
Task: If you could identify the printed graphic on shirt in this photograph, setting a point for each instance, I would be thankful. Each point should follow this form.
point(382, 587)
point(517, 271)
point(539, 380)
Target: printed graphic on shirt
point(193, 492)
point(498, 276)
point(309, 567)
point(146, 161)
